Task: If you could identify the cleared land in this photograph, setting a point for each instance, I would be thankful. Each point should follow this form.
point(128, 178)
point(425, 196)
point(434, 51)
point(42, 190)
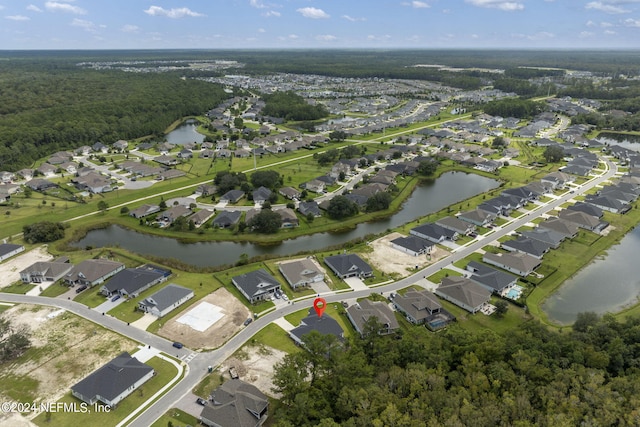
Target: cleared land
point(234, 315)
point(254, 364)
point(10, 270)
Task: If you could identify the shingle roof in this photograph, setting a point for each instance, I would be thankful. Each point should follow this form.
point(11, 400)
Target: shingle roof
point(166, 296)
point(347, 263)
point(236, 404)
point(464, 290)
point(326, 325)
point(131, 280)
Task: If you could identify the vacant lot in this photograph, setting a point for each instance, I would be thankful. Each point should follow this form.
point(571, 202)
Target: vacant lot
point(65, 349)
point(254, 365)
point(10, 269)
point(235, 313)
point(390, 260)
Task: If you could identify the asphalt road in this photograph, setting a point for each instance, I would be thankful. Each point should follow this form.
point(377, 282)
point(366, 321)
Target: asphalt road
point(197, 366)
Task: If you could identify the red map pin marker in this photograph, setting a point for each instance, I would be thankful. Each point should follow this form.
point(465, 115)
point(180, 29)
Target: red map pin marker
point(319, 304)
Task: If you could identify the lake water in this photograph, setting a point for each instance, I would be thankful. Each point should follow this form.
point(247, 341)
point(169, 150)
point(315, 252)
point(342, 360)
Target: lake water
point(432, 196)
point(630, 142)
point(186, 132)
point(608, 284)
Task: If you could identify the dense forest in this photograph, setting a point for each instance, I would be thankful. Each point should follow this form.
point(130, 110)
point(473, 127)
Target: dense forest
point(587, 376)
point(56, 105)
point(514, 107)
point(290, 106)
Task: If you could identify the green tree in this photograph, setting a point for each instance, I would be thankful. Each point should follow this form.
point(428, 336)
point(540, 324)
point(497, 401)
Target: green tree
point(43, 232)
point(103, 206)
point(340, 207)
point(238, 123)
point(378, 202)
point(553, 154)
point(427, 167)
point(501, 308)
point(266, 178)
point(124, 210)
point(338, 135)
point(266, 222)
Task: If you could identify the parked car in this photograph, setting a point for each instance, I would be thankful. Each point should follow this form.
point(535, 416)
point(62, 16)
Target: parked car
point(201, 401)
point(246, 322)
point(115, 298)
point(81, 288)
point(178, 344)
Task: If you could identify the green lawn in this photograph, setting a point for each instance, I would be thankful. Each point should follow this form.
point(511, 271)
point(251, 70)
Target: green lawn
point(18, 288)
point(445, 272)
point(177, 418)
point(165, 371)
point(274, 336)
point(54, 290)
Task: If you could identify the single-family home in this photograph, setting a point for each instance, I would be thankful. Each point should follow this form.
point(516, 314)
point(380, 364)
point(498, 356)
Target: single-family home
point(365, 309)
point(417, 306)
point(173, 213)
point(288, 217)
point(133, 281)
point(302, 272)
point(226, 219)
point(114, 381)
point(454, 224)
point(434, 233)
point(608, 204)
point(261, 195)
point(478, 217)
point(325, 325)
point(526, 245)
point(412, 245)
point(120, 145)
point(348, 265)
point(46, 271)
point(144, 210)
point(165, 300)
point(493, 280)
point(464, 293)
point(235, 404)
point(306, 208)
point(289, 192)
point(232, 196)
point(581, 219)
point(550, 237)
point(315, 186)
point(92, 272)
point(256, 285)
point(7, 250)
point(40, 184)
point(558, 180)
point(515, 262)
point(567, 228)
point(93, 182)
point(587, 208)
point(46, 169)
point(201, 217)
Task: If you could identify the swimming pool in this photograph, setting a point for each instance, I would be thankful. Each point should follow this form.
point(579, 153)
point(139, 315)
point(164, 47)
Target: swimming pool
point(514, 293)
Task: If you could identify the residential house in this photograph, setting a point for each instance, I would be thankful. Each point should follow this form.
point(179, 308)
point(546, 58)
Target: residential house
point(7, 250)
point(348, 265)
point(235, 404)
point(290, 193)
point(464, 293)
point(558, 180)
point(455, 224)
point(114, 381)
point(92, 272)
point(93, 182)
point(232, 196)
point(315, 186)
point(325, 325)
point(144, 210)
point(434, 233)
point(587, 208)
point(226, 219)
point(257, 285)
point(26, 174)
point(99, 147)
point(167, 217)
point(581, 219)
point(478, 217)
point(130, 282)
point(39, 184)
point(47, 170)
point(166, 160)
point(412, 245)
point(550, 237)
point(418, 306)
point(515, 262)
point(170, 174)
point(288, 216)
point(567, 228)
point(185, 153)
point(495, 281)
point(526, 245)
point(301, 272)
point(165, 300)
point(306, 208)
point(365, 309)
point(206, 190)
point(261, 195)
point(201, 217)
point(608, 204)
point(46, 271)
point(120, 145)
point(207, 154)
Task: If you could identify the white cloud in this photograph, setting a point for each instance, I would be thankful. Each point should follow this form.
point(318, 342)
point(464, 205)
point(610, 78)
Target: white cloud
point(417, 4)
point(632, 23)
point(17, 18)
point(586, 34)
point(262, 30)
point(326, 38)
point(352, 19)
point(84, 24)
point(609, 32)
point(606, 7)
point(55, 6)
point(313, 13)
point(497, 4)
point(172, 13)
point(257, 4)
point(130, 28)
point(34, 8)
point(272, 13)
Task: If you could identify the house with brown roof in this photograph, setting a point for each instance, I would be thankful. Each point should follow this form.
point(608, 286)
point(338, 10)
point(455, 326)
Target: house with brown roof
point(365, 309)
point(302, 272)
point(464, 293)
point(92, 272)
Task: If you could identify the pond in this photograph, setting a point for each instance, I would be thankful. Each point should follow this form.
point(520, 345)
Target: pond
point(432, 196)
point(186, 132)
point(627, 141)
point(608, 284)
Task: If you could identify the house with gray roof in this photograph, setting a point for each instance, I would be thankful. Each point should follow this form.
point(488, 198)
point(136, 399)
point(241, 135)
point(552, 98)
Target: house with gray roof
point(552, 238)
point(582, 220)
point(289, 192)
point(452, 223)
point(315, 185)
point(515, 262)
point(165, 300)
point(412, 245)
point(417, 306)
point(144, 210)
point(40, 184)
point(201, 217)
point(302, 272)
point(609, 204)
point(306, 208)
point(173, 213)
point(235, 404)
point(348, 265)
point(288, 217)
point(526, 245)
point(261, 195)
point(365, 309)
point(130, 282)
point(232, 196)
point(495, 281)
point(434, 233)
point(45, 271)
point(325, 325)
point(114, 381)
point(558, 180)
point(587, 208)
point(478, 217)
point(257, 285)
point(226, 219)
point(92, 272)
point(569, 229)
point(93, 182)
point(464, 293)
point(7, 250)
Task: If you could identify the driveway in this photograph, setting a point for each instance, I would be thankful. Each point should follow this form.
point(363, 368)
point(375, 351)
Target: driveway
point(108, 305)
point(356, 283)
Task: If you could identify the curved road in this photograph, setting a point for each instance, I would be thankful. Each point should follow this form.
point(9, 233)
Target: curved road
point(198, 362)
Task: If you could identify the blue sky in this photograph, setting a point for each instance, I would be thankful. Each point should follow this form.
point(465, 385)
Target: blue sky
point(224, 24)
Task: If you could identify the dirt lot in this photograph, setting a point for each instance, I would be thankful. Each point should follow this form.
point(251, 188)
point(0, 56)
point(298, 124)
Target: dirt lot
point(65, 349)
point(390, 260)
point(235, 313)
point(255, 366)
point(10, 269)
